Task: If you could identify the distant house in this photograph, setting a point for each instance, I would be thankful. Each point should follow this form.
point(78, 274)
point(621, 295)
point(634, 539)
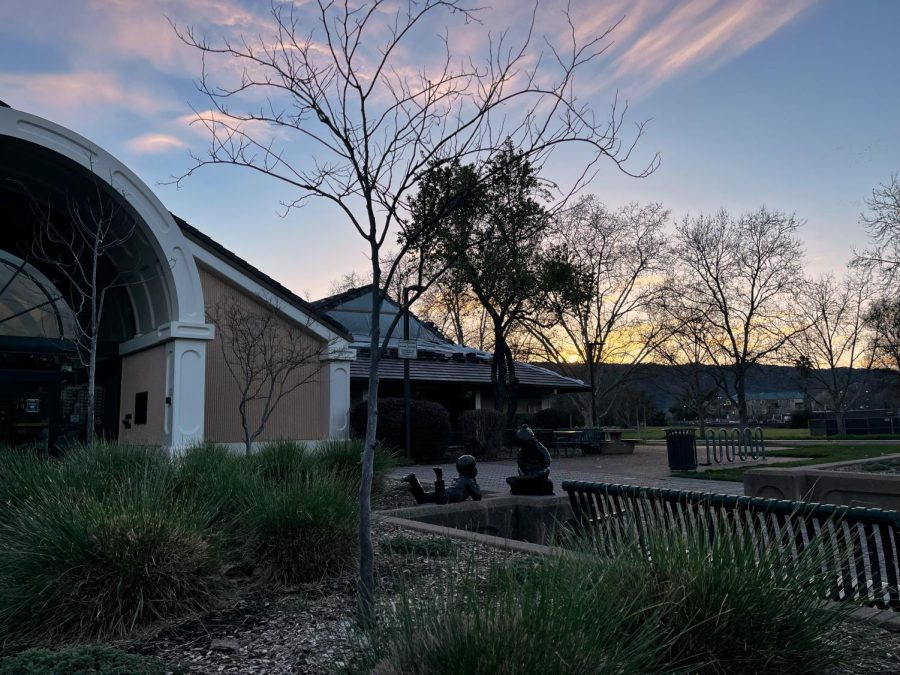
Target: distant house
point(774, 406)
point(456, 376)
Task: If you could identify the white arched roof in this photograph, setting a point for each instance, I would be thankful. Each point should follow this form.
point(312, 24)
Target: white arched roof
point(169, 301)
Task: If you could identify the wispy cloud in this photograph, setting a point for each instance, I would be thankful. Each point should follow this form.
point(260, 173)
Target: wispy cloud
point(64, 91)
point(154, 143)
point(700, 35)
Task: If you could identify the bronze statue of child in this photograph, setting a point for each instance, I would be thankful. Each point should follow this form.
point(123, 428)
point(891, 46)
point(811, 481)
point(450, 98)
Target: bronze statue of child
point(534, 466)
point(463, 486)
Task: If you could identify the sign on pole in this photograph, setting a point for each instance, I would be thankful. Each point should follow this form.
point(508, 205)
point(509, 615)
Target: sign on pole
point(406, 349)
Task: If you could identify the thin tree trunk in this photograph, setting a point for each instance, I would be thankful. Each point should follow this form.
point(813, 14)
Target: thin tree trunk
point(366, 585)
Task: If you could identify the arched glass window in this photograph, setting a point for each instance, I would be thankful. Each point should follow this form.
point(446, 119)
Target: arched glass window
point(30, 305)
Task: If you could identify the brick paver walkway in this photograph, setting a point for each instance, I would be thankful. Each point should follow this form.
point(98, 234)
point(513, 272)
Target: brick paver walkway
point(648, 466)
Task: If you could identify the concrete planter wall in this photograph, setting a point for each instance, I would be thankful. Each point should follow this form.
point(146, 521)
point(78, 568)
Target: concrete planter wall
point(818, 484)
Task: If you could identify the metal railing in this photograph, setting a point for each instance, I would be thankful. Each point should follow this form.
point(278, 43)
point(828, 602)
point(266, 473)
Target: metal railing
point(864, 543)
point(729, 445)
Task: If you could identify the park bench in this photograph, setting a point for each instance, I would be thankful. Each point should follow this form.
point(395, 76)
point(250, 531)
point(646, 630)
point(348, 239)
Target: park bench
point(864, 541)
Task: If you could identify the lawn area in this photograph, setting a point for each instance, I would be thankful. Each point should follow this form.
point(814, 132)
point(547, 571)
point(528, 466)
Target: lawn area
point(807, 456)
point(775, 434)
point(659, 433)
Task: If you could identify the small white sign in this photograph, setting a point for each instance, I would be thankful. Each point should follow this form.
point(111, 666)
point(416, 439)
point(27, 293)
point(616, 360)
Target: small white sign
point(406, 349)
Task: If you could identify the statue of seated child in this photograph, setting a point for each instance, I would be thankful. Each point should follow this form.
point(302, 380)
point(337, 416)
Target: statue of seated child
point(463, 486)
point(534, 466)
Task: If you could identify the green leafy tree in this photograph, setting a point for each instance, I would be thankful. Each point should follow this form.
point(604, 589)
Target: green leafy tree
point(493, 244)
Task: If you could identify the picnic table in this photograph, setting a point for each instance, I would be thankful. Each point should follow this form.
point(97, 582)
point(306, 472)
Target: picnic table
point(607, 441)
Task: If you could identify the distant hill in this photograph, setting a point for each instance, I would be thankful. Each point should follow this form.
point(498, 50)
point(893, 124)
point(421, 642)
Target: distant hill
point(662, 384)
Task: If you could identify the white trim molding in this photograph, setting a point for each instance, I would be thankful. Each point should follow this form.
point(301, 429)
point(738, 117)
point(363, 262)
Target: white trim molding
point(167, 332)
point(179, 272)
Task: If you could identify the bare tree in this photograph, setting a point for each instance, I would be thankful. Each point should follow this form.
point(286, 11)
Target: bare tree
point(76, 246)
point(882, 221)
point(684, 351)
point(740, 277)
point(369, 126)
point(883, 318)
point(600, 283)
point(834, 354)
point(266, 357)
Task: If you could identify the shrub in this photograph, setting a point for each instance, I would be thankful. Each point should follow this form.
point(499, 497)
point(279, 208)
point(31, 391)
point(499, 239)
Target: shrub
point(75, 566)
point(482, 430)
point(93, 659)
point(302, 529)
point(429, 425)
point(554, 418)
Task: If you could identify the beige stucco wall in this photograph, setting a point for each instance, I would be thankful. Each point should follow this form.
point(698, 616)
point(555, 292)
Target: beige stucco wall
point(144, 371)
point(301, 415)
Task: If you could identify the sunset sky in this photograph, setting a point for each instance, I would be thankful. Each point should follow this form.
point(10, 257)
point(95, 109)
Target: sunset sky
point(794, 104)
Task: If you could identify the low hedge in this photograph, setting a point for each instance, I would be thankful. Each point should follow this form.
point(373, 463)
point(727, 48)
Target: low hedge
point(482, 431)
point(429, 426)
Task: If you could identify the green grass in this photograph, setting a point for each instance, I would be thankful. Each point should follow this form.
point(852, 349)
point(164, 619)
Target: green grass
point(685, 603)
point(91, 659)
point(811, 455)
point(773, 434)
point(433, 547)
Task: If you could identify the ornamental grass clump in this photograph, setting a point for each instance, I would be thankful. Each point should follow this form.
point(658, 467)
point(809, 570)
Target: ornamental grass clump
point(553, 616)
point(736, 602)
point(301, 527)
point(109, 539)
point(699, 596)
point(75, 566)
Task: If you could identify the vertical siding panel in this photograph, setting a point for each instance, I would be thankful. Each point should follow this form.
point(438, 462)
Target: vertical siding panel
point(300, 415)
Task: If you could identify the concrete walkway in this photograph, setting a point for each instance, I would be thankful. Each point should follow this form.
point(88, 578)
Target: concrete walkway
point(648, 466)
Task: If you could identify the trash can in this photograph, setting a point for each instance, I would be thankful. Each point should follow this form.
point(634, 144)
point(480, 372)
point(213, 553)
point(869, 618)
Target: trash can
point(681, 448)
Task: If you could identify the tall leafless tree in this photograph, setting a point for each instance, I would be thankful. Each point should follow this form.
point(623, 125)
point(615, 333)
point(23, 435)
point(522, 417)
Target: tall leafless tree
point(75, 244)
point(267, 357)
point(601, 283)
point(370, 122)
point(684, 350)
point(834, 354)
point(882, 221)
point(740, 276)
point(883, 319)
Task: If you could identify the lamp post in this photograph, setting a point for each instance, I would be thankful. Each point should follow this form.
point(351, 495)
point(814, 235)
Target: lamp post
point(590, 356)
point(406, 403)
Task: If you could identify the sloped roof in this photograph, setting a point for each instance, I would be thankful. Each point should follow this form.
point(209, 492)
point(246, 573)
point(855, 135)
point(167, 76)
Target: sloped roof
point(264, 279)
point(774, 395)
point(463, 373)
point(324, 304)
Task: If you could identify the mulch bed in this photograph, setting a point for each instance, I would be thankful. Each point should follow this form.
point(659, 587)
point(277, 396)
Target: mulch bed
point(310, 628)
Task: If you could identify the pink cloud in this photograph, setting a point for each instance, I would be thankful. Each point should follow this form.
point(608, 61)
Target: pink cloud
point(153, 143)
point(67, 92)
